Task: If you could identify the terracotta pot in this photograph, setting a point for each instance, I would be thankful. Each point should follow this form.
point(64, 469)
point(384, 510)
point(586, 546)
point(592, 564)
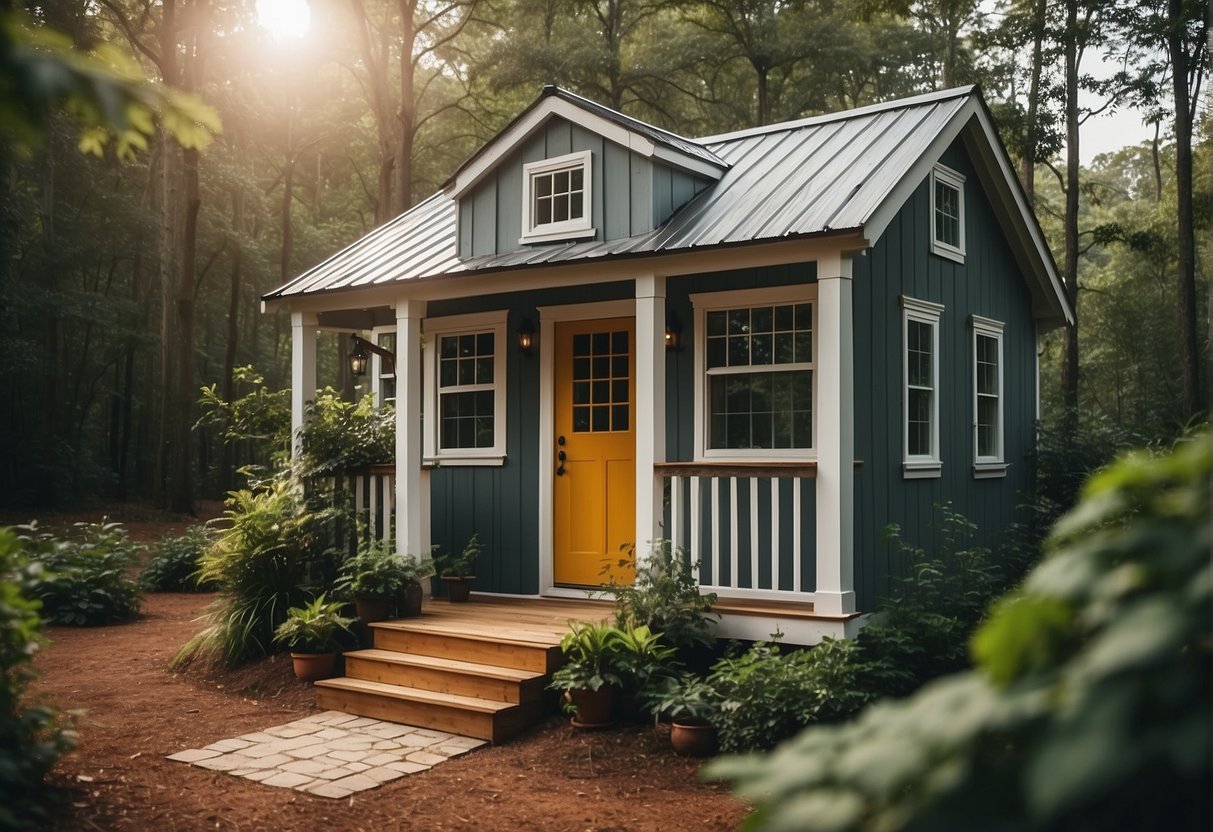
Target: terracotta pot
point(458, 590)
point(594, 707)
point(698, 739)
point(410, 601)
point(312, 666)
point(371, 609)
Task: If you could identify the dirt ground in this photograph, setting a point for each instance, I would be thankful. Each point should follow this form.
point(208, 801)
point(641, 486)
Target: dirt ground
point(133, 711)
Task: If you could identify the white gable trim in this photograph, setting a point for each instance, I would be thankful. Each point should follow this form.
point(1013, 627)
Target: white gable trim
point(551, 107)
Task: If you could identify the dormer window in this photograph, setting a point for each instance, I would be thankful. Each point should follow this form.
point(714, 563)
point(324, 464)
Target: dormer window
point(556, 196)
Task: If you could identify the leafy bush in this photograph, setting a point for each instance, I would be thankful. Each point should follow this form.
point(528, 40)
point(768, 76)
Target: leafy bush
point(313, 627)
point(341, 436)
point(260, 563)
point(462, 565)
point(665, 597)
point(766, 696)
point(85, 578)
point(592, 657)
point(30, 736)
point(1089, 706)
point(261, 415)
point(376, 571)
point(174, 567)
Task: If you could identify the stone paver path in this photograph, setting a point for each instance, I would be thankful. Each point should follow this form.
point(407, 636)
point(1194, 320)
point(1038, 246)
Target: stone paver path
point(331, 754)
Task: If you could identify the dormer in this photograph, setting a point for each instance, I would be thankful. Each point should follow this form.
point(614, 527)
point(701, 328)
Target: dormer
point(568, 170)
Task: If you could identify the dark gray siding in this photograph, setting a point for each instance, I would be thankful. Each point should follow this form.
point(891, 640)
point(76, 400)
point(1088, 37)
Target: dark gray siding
point(631, 195)
point(987, 284)
point(501, 503)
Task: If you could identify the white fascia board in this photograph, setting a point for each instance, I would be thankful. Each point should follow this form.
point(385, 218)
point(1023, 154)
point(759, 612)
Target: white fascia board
point(691, 164)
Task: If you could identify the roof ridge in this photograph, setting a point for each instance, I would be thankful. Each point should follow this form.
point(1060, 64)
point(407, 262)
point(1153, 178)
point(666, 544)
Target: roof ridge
point(826, 118)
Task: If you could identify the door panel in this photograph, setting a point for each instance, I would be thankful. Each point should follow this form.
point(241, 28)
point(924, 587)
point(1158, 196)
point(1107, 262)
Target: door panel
point(595, 493)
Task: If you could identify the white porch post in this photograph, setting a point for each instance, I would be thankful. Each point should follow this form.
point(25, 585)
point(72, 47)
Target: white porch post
point(835, 591)
point(649, 408)
point(303, 372)
point(410, 500)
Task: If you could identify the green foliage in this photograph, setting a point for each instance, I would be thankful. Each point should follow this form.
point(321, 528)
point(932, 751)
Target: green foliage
point(31, 738)
point(1089, 707)
point(766, 696)
point(376, 571)
point(313, 627)
point(684, 698)
point(85, 577)
point(665, 597)
point(260, 562)
point(260, 415)
point(591, 657)
point(341, 436)
point(462, 565)
point(644, 659)
point(174, 567)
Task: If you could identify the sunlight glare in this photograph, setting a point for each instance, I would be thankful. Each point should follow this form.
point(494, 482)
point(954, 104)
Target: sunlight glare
point(284, 18)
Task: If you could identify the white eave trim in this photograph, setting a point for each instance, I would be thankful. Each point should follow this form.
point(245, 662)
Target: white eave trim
point(553, 106)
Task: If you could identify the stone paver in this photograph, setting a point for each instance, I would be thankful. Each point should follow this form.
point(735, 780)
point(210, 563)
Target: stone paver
point(330, 754)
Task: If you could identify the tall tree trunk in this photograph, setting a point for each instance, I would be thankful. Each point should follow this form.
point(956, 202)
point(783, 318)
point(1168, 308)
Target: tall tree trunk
point(227, 452)
point(1069, 377)
point(408, 106)
point(182, 490)
point(1032, 140)
point(764, 101)
point(1186, 307)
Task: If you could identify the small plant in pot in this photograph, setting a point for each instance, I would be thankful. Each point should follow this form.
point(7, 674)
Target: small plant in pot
point(413, 571)
point(645, 663)
point(691, 705)
point(590, 676)
point(374, 577)
point(457, 570)
point(311, 632)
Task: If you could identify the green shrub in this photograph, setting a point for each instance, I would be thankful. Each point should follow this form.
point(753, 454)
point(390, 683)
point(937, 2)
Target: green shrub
point(340, 436)
point(174, 567)
point(665, 597)
point(85, 578)
point(30, 736)
point(1089, 707)
point(313, 627)
point(376, 571)
point(766, 696)
point(261, 563)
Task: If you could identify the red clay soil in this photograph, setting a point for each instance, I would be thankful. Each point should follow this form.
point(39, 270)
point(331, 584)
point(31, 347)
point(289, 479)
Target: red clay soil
point(136, 711)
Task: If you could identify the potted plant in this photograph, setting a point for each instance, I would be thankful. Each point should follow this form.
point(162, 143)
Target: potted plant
point(590, 676)
point(645, 662)
point(456, 570)
point(690, 704)
point(374, 577)
point(310, 632)
point(413, 571)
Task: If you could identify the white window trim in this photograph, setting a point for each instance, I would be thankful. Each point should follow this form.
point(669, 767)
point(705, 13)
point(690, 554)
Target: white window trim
point(920, 466)
point(953, 179)
point(704, 302)
point(433, 328)
point(988, 466)
point(568, 229)
point(377, 373)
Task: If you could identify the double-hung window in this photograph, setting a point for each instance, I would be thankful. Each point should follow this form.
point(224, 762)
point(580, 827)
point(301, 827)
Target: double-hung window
point(920, 390)
point(557, 198)
point(466, 402)
point(948, 213)
point(755, 372)
point(988, 458)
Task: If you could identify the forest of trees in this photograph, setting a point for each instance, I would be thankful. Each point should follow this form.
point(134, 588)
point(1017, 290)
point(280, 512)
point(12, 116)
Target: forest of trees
point(131, 280)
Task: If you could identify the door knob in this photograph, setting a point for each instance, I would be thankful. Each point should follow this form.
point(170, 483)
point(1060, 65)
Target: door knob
point(560, 457)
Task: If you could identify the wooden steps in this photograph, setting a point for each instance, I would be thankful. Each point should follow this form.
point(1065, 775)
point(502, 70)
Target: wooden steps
point(479, 669)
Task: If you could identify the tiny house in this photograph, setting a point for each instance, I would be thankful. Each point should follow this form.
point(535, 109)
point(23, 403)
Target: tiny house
point(765, 346)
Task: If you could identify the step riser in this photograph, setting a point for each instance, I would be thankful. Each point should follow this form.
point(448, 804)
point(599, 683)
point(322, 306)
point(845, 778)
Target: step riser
point(494, 728)
point(519, 657)
point(443, 681)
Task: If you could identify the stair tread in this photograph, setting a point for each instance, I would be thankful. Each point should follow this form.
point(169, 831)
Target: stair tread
point(540, 638)
point(467, 703)
point(417, 660)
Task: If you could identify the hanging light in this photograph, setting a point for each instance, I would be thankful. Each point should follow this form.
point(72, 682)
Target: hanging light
point(673, 333)
point(526, 336)
point(357, 357)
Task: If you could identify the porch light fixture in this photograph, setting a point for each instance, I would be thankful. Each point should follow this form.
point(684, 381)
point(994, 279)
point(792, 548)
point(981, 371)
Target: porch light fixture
point(358, 356)
point(673, 333)
point(526, 336)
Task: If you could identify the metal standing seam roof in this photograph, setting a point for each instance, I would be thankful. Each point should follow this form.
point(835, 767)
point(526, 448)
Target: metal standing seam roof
point(813, 176)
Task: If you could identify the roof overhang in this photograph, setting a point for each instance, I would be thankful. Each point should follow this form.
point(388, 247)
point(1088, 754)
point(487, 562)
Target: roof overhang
point(562, 105)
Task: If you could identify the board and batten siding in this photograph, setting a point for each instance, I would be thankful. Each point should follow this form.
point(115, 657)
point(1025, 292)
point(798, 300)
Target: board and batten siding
point(500, 502)
point(680, 431)
point(988, 284)
point(631, 195)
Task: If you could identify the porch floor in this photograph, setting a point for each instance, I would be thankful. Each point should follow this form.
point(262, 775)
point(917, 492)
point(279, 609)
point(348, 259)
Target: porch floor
point(534, 620)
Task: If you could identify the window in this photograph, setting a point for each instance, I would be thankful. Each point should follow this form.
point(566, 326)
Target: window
point(755, 365)
point(988, 460)
point(947, 213)
point(601, 382)
point(920, 405)
point(467, 399)
point(384, 376)
point(556, 199)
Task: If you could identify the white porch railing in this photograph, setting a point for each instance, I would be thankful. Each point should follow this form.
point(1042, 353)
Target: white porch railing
point(374, 499)
point(751, 526)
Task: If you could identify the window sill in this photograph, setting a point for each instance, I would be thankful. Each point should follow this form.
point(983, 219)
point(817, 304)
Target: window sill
point(950, 252)
point(989, 470)
point(557, 235)
point(927, 469)
point(484, 460)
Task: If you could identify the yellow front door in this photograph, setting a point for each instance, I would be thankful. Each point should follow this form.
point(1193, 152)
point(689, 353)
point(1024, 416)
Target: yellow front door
point(595, 400)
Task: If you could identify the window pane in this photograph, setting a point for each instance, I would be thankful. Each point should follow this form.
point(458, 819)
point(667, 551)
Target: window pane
point(484, 370)
point(575, 210)
point(581, 344)
point(543, 212)
point(560, 208)
point(484, 343)
point(619, 366)
point(448, 347)
point(761, 349)
point(716, 323)
point(560, 184)
point(543, 185)
point(987, 426)
point(576, 179)
point(784, 353)
point(761, 319)
point(581, 419)
point(919, 435)
point(619, 417)
point(601, 419)
point(581, 392)
point(467, 372)
point(619, 391)
point(447, 373)
point(602, 392)
point(716, 353)
point(784, 318)
point(739, 350)
point(761, 410)
point(619, 342)
point(601, 343)
point(739, 321)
